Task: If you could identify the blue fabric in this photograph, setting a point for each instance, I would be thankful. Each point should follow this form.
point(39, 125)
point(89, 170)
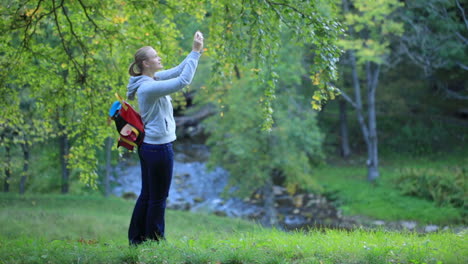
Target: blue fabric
point(148, 221)
point(114, 108)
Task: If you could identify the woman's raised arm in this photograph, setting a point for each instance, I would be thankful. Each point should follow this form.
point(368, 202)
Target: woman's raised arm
point(177, 70)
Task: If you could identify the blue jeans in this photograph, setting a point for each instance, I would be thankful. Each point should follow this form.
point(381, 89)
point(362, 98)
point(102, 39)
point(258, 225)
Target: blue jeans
point(156, 174)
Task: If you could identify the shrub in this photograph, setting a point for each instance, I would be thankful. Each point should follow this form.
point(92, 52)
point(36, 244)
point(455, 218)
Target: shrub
point(443, 186)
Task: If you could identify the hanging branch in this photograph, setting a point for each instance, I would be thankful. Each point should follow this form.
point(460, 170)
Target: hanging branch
point(288, 6)
point(82, 75)
point(24, 17)
point(96, 27)
point(62, 39)
point(72, 31)
point(278, 13)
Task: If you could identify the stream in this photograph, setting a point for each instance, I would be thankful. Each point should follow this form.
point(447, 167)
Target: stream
point(195, 188)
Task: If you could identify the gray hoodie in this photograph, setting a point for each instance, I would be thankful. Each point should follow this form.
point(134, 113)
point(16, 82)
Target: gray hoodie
point(154, 100)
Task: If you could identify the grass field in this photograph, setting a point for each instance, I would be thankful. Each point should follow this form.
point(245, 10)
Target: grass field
point(346, 182)
point(92, 229)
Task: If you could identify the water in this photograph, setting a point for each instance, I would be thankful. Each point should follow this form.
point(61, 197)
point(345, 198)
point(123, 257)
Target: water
point(197, 189)
point(193, 187)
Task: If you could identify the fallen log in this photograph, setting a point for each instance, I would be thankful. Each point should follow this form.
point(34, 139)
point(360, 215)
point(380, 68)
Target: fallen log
point(195, 118)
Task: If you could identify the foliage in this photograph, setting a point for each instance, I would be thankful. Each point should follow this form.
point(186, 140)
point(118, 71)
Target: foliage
point(251, 32)
point(443, 186)
point(419, 136)
point(251, 155)
point(372, 27)
point(436, 47)
point(56, 229)
point(69, 57)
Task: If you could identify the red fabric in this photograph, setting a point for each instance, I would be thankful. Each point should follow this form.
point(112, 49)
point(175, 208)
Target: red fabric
point(132, 117)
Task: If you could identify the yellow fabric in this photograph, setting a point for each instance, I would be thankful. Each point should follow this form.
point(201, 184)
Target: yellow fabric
point(121, 100)
point(128, 141)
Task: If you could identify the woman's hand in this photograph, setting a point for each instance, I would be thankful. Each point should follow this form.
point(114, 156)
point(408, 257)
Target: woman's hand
point(197, 42)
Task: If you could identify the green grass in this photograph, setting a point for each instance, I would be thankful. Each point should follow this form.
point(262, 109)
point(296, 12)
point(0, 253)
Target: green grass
point(91, 229)
point(346, 182)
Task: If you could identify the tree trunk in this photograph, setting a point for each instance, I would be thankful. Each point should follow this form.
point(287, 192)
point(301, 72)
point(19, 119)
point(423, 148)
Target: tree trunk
point(109, 141)
point(345, 149)
point(271, 215)
point(369, 130)
point(64, 151)
point(357, 94)
point(6, 183)
point(373, 157)
point(25, 148)
point(357, 91)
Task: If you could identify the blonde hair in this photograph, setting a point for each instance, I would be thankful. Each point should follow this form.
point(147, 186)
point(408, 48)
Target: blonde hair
point(140, 56)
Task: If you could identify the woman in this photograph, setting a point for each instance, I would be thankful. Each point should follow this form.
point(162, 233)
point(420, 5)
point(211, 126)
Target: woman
point(152, 89)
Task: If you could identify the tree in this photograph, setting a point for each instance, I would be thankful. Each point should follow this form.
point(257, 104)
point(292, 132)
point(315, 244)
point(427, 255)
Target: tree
point(370, 30)
point(71, 56)
point(257, 159)
point(345, 149)
point(438, 48)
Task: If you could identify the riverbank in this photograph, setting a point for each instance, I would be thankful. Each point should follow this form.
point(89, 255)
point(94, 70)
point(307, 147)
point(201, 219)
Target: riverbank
point(197, 189)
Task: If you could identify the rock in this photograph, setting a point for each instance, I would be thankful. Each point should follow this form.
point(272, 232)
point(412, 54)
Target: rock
point(256, 202)
point(378, 223)
point(294, 221)
point(316, 201)
point(461, 230)
point(339, 214)
point(198, 199)
point(220, 213)
point(409, 225)
point(255, 215)
point(328, 221)
point(217, 202)
point(431, 228)
point(284, 201)
point(278, 190)
point(284, 210)
point(129, 195)
point(256, 194)
point(309, 214)
point(179, 204)
point(299, 200)
point(183, 176)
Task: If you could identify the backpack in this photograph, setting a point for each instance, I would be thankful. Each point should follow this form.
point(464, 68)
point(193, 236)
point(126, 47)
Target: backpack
point(128, 124)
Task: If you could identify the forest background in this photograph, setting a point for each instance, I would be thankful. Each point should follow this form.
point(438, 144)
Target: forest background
point(329, 96)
